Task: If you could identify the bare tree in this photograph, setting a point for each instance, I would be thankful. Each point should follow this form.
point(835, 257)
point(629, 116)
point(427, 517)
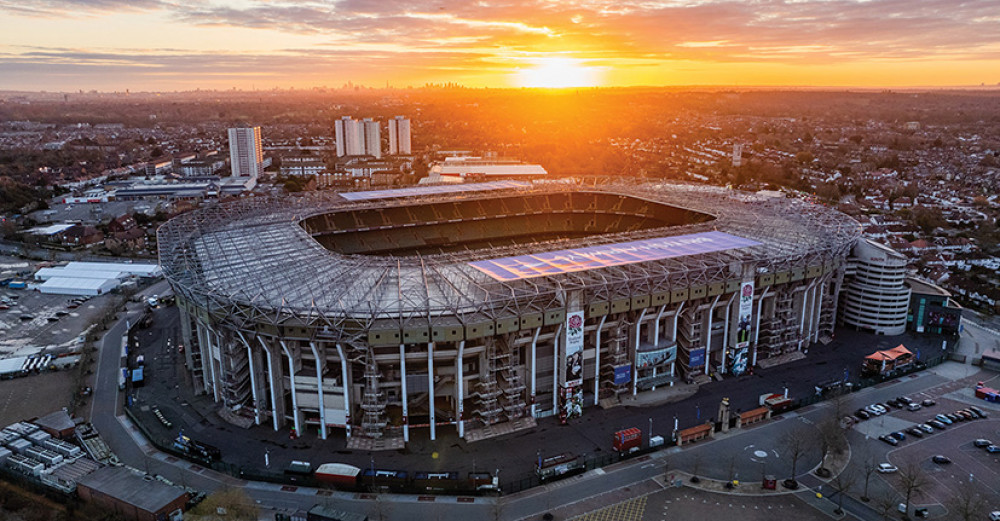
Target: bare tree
point(885, 503)
point(842, 483)
point(968, 504)
point(795, 444)
point(695, 467)
point(868, 466)
point(913, 479)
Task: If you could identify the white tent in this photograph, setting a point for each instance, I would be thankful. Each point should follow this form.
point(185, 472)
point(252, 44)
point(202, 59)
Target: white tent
point(78, 286)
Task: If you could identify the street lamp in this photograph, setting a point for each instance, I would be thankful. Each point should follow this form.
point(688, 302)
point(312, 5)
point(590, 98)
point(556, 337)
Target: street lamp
point(650, 431)
point(267, 458)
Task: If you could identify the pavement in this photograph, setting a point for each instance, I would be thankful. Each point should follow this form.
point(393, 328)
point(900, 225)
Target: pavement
point(514, 455)
point(588, 492)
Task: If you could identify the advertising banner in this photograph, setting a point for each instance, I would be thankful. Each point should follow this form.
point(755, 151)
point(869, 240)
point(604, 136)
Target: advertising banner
point(644, 359)
point(581, 259)
point(623, 374)
point(740, 355)
point(574, 349)
point(697, 358)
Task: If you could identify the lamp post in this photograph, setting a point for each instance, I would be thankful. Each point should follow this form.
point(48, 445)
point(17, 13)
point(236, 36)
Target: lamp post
point(650, 431)
point(267, 458)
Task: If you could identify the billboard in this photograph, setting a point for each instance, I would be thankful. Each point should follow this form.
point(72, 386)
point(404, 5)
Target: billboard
point(582, 259)
point(574, 349)
point(644, 359)
point(623, 373)
point(696, 357)
point(739, 359)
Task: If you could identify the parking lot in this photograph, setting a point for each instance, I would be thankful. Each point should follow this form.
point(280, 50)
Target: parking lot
point(34, 322)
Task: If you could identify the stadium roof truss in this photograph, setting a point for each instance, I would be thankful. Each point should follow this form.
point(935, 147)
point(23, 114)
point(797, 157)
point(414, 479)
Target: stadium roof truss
point(250, 262)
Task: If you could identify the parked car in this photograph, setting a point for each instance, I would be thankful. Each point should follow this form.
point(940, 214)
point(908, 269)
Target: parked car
point(862, 414)
point(916, 432)
point(893, 403)
point(943, 419)
point(926, 428)
point(979, 412)
point(889, 439)
point(941, 460)
point(882, 409)
point(995, 515)
point(913, 407)
point(967, 415)
point(898, 435)
point(886, 468)
point(993, 449)
point(873, 410)
point(954, 418)
point(928, 402)
point(980, 443)
point(936, 424)
point(904, 399)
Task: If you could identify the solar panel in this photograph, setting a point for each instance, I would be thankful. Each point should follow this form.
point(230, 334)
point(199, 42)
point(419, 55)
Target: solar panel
point(581, 259)
point(432, 190)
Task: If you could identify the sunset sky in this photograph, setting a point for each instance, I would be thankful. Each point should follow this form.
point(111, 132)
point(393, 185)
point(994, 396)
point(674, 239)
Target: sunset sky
point(63, 45)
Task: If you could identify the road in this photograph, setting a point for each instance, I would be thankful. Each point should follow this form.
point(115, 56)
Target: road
point(747, 463)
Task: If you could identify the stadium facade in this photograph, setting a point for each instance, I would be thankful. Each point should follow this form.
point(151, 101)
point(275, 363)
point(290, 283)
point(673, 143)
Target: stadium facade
point(482, 307)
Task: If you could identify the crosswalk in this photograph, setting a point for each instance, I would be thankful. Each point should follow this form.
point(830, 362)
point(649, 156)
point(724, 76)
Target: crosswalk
point(631, 510)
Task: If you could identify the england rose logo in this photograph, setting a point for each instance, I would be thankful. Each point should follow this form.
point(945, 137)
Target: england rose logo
point(576, 321)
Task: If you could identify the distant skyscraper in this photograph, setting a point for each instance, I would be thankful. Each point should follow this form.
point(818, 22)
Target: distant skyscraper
point(399, 136)
point(373, 138)
point(245, 152)
point(350, 137)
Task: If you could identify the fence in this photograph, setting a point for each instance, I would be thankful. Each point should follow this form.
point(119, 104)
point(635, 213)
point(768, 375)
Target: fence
point(526, 481)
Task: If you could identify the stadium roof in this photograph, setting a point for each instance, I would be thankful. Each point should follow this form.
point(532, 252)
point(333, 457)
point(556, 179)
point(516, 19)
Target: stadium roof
point(432, 190)
point(252, 258)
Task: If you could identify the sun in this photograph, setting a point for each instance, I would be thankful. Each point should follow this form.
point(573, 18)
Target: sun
point(557, 73)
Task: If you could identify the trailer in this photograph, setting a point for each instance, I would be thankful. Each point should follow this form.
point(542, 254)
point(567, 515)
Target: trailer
point(627, 441)
point(558, 466)
point(340, 475)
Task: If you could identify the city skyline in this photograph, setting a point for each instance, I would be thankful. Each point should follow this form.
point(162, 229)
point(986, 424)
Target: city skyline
point(163, 46)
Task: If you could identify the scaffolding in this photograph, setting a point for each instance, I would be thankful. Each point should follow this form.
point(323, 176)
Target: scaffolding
point(257, 266)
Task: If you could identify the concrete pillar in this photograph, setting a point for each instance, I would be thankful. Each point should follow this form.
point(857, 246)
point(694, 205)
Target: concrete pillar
point(534, 359)
point(597, 361)
point(277, 409)
point(673, 335)
point(708, 336)
point(725, 330)
point(320, 357)
point(404, 397)
point(460, 383)
point(555, 369)
point(345, 378)
point(430, 388)
point(635, 353)
point(296, 414)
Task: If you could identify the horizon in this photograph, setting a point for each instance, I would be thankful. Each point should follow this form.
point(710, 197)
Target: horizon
point(156, 46)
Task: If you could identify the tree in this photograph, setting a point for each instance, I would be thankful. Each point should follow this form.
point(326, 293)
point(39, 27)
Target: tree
point(842, 483)
point(968, 504)
point(912, 479)
point(795, 444)
point(885, 503)
point(868, 466)
point(225, 505)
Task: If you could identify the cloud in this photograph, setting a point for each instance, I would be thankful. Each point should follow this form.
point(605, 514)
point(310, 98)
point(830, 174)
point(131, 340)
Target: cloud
point(410, 34)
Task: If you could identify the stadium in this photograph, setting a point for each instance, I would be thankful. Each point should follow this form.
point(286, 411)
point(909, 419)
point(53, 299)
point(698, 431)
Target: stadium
point(482, 307)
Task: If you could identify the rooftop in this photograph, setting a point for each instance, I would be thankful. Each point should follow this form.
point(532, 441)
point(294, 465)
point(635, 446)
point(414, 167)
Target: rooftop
point(134, 489)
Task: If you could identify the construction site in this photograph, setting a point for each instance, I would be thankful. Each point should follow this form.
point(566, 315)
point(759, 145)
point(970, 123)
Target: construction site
point(480, 308)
